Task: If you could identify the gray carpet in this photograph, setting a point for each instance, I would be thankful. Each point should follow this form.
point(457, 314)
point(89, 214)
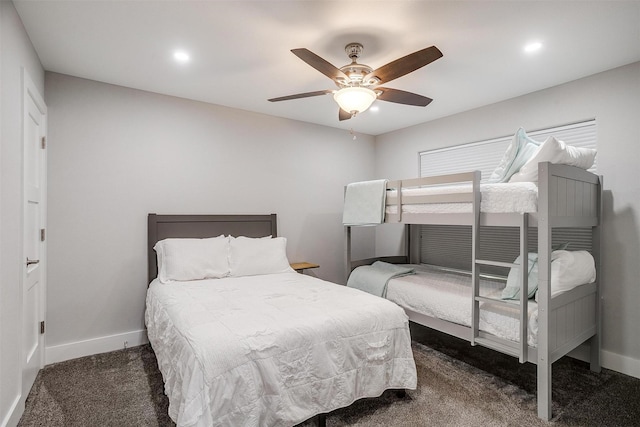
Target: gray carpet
point(458, 385)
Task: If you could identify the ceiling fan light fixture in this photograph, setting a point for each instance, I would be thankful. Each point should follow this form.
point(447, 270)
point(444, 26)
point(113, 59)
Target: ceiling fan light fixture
point(354, 100)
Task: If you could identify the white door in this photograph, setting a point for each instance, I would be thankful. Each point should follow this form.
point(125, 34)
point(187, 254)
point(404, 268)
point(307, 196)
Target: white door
point(34, 215)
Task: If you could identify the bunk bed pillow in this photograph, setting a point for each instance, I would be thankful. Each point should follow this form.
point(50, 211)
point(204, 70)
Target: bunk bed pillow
point(521, 149)
point(570, 269)
point(252, 256)
point(512, 289)
point(192, 259)
point(555, 151)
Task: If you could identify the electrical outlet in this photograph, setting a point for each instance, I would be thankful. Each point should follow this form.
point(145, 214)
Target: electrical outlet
point(126, 344)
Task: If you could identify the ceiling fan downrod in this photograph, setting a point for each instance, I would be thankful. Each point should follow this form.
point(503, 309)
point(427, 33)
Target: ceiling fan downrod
point(353, 51)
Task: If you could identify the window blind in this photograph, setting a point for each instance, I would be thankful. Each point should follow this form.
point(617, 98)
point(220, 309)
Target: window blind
point(450, 246)
point(485, 155)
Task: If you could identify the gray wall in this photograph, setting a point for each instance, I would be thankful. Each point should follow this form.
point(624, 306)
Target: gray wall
point(16, 52)
point(116, 154)
point(613, 98)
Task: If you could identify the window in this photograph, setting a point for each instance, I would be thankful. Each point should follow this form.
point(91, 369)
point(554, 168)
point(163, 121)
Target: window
point(485, 155)
point(450, 246)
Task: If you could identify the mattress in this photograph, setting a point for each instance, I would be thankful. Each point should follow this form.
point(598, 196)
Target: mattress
point(446, 295)
point(517, 197)
point(273, 350)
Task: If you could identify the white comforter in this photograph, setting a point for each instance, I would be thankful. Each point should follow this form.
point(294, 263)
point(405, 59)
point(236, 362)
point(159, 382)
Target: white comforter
point(273, 350)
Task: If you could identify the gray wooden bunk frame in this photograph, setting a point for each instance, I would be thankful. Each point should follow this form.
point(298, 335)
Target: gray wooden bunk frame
point(567, 197)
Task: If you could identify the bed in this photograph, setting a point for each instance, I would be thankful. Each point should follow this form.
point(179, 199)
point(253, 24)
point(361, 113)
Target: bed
point(542, 329)
point(262, 345)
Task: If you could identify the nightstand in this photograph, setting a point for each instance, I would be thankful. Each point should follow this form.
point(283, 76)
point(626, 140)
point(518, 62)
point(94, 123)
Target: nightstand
point(300, 267)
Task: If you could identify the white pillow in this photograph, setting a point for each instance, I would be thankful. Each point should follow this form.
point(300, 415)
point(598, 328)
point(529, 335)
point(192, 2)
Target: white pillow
point(249, 256)
point(192, 259)
point(521, 149)
point(555, 151)
point(570, 269)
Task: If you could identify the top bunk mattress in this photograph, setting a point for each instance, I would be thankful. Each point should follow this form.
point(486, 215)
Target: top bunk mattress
point(516, 197)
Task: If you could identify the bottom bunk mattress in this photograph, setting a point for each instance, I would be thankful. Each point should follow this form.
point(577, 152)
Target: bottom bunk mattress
point(273, 350)
point(446, 295)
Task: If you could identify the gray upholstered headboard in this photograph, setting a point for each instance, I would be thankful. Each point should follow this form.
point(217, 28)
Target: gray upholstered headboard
point(194, 226)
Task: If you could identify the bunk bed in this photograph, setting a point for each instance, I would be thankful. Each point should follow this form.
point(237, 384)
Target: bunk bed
point(565, 196)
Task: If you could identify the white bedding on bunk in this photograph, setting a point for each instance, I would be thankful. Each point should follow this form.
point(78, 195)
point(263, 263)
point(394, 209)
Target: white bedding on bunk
point(517, 197)
point(273, 350)
point(446, 295)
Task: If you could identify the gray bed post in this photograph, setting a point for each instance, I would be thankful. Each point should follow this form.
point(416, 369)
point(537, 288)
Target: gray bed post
point(544, 297)
point(152, 238)
point(347, 248)
point(413, 250)
point(595, 341)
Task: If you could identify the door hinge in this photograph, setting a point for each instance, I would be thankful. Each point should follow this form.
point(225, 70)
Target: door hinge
point(42, 234)
point(42, 327)
point(44, 142)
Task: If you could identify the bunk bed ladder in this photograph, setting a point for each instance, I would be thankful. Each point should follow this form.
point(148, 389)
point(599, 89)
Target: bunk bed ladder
point(475, 249)
point(524, 290)
point(519, 350)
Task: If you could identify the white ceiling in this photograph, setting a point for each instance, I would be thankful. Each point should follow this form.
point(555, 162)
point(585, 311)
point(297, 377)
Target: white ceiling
point(240, 50)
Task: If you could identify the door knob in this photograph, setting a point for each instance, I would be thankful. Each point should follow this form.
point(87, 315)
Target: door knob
point(32, 261)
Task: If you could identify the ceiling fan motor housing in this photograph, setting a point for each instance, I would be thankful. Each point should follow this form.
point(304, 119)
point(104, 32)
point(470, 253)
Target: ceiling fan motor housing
point(355, 71)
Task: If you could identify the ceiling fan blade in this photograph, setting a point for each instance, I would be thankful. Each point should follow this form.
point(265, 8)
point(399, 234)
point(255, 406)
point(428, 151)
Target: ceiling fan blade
point(343, 115)
point(402, 97)
point(404, 65)
point(320, 64)
point(301, 95)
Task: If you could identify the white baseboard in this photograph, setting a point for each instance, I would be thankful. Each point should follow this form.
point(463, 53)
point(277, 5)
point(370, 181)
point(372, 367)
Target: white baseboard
point(14, 414)
point(62, 352)
point(59, 353)
point(617, 362)
point(609, 360)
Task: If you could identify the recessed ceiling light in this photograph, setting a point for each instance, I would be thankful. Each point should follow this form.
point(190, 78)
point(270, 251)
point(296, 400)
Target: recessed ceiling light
point(181, 56)
point(532, 47)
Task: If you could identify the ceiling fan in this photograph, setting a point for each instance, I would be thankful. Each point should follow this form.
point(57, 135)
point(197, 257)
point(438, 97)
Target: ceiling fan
point(358, 83)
